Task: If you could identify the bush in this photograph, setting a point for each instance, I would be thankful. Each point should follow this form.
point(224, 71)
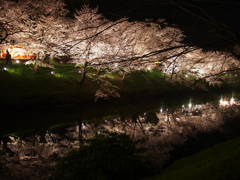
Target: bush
point(105, 156)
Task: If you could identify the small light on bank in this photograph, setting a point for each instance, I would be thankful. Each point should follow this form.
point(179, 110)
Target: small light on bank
point(4, 68)
point(161, 110)
point(17, 61)
point(51, 72)
point(190, 105)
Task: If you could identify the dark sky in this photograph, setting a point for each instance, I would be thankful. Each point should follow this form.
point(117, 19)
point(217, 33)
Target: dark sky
point(226, 11)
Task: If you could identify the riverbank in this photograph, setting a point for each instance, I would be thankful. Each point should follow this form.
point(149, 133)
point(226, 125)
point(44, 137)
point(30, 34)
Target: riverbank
point(136, 98)
point(212, 155)
point(218, 162)
point(22, 87)
point(53, 121)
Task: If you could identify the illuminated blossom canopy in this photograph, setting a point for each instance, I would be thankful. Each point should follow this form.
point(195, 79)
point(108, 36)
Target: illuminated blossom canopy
point(90, 39)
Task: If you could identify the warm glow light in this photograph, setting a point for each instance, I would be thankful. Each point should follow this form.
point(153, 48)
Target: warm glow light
point(224, 103)
point(17, 52)
point(230, 102)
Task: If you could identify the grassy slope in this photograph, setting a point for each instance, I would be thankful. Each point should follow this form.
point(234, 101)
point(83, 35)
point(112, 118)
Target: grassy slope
point(21, 86)
point(221, 162)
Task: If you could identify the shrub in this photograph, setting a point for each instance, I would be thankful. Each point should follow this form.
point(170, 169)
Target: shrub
point(105, 156)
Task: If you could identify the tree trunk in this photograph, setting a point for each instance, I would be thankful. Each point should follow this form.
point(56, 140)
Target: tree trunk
point(80, 137)
point(98, 70)
point(84, 72)
point(124, 75)
point(35, 66)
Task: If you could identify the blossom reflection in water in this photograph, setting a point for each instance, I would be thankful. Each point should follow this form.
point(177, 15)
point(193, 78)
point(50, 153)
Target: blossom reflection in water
point(168, 127)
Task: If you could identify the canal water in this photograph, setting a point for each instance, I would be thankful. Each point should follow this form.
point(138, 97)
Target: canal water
point(31, 139)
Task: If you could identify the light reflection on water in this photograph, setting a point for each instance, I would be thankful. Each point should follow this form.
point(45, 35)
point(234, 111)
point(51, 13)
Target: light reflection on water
point(30, 154)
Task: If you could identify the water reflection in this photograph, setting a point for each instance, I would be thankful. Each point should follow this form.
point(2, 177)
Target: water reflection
point(30, 155)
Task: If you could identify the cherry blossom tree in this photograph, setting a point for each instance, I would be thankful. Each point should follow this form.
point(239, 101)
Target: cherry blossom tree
point(100, 42)
point(36, 25)
point(121, 45)
point(210, 24)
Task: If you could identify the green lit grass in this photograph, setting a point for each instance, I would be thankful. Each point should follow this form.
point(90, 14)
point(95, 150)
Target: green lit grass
point(22, 86)
point(221, 162)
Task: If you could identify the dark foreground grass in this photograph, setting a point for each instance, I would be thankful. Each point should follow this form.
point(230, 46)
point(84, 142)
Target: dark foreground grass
point(221, 162)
